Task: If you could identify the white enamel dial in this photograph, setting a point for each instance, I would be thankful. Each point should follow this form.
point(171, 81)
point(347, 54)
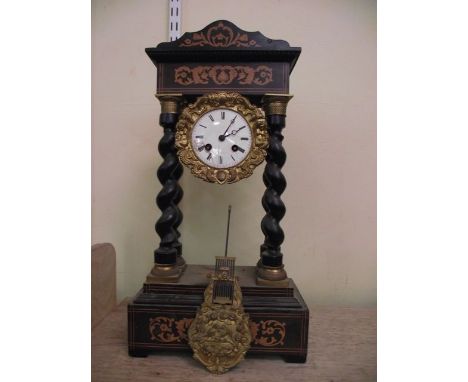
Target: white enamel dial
point(221, 138)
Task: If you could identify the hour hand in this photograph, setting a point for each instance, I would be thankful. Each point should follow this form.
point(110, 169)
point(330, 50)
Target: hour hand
point(234, 132)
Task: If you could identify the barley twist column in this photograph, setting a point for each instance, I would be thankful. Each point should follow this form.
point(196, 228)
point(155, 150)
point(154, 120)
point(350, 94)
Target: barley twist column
point(178, 197)
point(166, 267)
point(270, 268)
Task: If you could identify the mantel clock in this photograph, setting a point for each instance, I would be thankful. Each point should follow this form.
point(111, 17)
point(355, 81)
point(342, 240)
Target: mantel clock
point(223, 93)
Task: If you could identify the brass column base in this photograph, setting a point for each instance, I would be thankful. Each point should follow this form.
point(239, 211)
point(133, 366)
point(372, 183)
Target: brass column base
point(272, 276)
point(181, 263)
point(162, 273)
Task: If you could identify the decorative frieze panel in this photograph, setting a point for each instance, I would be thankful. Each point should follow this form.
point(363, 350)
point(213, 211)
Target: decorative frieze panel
point(162, 329)
point(245, 78)
point(223, 75)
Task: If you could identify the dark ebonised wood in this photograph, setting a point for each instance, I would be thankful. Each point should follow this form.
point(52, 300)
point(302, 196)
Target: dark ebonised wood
point(177, 174)
point(168, 174)
point(224, 41)
point(160, 314)
point(275, 183)
point(223, 57)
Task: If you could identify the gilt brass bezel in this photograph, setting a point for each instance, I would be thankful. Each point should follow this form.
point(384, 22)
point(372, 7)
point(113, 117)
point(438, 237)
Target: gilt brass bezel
point(193, 112)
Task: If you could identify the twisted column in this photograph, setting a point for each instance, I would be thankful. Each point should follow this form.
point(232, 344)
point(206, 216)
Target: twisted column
point(177, 174)
point(270, 268)
point(169, 172)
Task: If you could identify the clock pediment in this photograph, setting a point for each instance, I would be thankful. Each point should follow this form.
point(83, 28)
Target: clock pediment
point(226, 35)
point(221, 57)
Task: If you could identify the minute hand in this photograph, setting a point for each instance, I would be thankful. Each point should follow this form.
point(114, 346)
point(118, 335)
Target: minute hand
point(233, 120)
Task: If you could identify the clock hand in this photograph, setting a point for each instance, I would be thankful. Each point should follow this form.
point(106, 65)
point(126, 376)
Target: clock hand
point(234, 132)
point(222, 137)
point(233, 120)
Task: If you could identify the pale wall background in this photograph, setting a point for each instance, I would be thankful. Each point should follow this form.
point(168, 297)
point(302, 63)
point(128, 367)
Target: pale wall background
point(330, 138)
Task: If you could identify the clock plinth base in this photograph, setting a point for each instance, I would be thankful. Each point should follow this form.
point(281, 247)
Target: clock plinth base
point(273, 283)
point(161, 313)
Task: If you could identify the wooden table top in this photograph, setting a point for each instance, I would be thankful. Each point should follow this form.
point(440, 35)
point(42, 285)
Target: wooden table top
point(342, 348)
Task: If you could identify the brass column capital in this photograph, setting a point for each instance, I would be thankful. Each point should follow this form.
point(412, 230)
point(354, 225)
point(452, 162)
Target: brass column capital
point(169, 102)
point(275, 103)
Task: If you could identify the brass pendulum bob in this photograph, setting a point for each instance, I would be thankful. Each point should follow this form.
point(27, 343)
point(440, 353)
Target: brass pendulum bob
point(219, 335)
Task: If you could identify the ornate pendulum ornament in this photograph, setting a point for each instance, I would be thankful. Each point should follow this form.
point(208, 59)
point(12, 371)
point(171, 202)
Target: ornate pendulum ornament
point(219, 335)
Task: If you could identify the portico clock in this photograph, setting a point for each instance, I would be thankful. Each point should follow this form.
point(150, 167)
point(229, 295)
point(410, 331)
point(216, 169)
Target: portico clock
point(222, 137)
point(223, 93)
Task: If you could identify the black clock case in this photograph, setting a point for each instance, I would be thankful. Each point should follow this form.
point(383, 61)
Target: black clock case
point(220, 57)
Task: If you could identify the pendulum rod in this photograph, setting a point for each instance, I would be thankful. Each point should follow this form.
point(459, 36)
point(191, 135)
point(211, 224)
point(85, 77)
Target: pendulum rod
point(227, 233)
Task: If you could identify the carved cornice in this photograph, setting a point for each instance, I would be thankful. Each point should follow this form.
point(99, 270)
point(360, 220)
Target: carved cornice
point(223, 41)
point(225, 35)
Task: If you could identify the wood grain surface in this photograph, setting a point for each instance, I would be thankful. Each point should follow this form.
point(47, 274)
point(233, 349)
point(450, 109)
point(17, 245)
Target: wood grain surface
point(103, 282)
point(342, 347)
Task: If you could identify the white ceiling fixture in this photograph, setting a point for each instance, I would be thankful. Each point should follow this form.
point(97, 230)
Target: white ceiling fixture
point(175, 8)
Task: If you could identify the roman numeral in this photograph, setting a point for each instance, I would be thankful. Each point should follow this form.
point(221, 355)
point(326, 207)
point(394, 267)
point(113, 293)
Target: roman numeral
point(220, 160)
point(234, 159)
point(211, 117)
point(244, 139)
point(198, 136)
point(209, 157)
point(203, 126)
point(201, 148)
point(241, 149)
point(223, 114)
